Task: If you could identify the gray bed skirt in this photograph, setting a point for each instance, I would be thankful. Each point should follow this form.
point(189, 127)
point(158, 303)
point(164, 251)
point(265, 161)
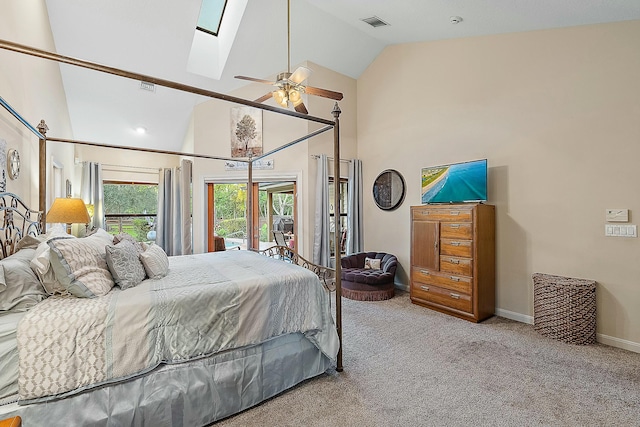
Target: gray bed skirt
point(190, 394)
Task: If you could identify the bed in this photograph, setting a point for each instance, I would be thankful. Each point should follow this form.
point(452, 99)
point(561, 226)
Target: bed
point(270, 335)
point(218, 333)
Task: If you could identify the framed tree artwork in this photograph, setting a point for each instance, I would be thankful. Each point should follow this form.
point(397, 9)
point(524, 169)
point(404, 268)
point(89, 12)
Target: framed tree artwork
point(246, 132)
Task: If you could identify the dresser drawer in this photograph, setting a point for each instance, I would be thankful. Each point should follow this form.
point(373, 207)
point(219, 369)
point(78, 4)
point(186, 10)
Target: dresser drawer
point(457, 230)
point(442, 214)
point(440, 296)
point(463, 266)
point(442, 280)
point(456, 247)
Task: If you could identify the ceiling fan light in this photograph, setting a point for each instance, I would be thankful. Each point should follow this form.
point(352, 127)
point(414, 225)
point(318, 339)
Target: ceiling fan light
point(294, 97)
point(280, 97)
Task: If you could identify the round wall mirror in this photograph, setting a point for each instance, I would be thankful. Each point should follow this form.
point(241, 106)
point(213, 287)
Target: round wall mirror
point(389, 190)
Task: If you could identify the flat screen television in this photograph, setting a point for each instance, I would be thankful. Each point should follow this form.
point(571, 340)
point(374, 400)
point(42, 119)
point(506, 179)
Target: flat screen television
point(455, 183)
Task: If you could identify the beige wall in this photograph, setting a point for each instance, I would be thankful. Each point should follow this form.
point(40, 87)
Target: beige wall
point(34, 88)
point(212, 136)
point(557, 114)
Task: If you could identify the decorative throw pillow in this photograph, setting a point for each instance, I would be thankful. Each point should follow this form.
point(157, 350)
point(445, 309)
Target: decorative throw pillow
point(128, 237)
point(372, 264)
point(20, 288)
point(124, 264)
point(81, 265)
point(155, 261)
point(41, 262)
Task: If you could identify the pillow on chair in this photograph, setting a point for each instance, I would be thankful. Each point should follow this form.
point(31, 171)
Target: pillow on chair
point(372, 264)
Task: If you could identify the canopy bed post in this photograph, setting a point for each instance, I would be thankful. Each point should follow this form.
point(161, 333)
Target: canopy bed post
point(250, 205)
point(336, 241)
point(42, 163)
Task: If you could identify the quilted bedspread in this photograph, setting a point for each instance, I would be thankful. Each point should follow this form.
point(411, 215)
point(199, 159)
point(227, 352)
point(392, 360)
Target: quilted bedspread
point(206, 304)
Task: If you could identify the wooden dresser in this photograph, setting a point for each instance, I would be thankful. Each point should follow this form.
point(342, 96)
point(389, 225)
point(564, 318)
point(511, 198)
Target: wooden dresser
point(453, 259)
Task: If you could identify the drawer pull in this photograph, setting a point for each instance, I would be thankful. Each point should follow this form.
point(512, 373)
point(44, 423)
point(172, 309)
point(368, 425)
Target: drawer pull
point(425, 212)
point(455, 243)
point(455, 212)
point(455, 225)
point(455, 296)
point(454, 261)
point(424, 288)
point(425, 272)
point(455, 279)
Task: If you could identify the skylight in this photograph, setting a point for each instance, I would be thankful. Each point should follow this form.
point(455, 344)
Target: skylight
point(210, 17)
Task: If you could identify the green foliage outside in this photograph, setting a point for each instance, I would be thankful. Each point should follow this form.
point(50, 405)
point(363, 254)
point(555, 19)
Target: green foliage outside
point(131, 199)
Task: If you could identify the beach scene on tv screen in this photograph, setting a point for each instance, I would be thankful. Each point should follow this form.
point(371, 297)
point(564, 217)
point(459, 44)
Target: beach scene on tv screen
point(460, 182)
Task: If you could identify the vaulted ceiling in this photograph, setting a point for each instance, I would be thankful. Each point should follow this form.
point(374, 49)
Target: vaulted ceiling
point(155, 37)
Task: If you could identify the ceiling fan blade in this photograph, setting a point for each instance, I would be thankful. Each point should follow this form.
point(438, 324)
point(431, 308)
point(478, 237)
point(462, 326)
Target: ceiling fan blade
point(323, 92)
point(300, 108)
point(300, 74)
point(264, 97)
point(254, 80)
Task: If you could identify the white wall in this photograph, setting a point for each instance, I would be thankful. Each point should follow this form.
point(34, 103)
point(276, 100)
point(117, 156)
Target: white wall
point(557, 114)
point(34, 88)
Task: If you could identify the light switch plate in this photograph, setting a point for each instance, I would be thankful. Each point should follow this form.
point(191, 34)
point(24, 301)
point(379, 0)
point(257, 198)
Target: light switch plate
point(617, 215)
point(621, 230)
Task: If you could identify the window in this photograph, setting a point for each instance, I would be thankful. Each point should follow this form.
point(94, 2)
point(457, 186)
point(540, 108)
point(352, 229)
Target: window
point(210, 17)
point(343, 215)
point(131, 208)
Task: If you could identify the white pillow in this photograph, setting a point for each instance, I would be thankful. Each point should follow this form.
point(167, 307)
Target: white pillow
point(372, 264)
point(155, 261)
point(41, 262)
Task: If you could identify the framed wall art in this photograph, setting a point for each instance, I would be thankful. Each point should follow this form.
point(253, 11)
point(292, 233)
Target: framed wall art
point(246, 132)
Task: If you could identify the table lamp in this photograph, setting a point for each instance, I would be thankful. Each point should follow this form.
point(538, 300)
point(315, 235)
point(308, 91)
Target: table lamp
point(68, 211)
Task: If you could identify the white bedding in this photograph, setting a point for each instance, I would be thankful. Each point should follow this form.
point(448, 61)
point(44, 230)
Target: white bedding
point(206, 304)
point(9, 356)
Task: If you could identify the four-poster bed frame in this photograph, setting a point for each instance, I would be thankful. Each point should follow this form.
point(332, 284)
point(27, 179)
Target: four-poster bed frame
point(41, 130)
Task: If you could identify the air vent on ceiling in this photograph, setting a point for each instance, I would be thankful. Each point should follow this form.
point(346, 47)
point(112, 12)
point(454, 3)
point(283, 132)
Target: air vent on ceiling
point(148, 86)
point(374, 21)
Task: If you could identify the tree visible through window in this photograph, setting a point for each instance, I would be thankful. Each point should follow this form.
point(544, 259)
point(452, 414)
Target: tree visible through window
point(130, 208)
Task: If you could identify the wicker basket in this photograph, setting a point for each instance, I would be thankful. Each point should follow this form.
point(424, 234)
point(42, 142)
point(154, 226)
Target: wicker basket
point(565, 308)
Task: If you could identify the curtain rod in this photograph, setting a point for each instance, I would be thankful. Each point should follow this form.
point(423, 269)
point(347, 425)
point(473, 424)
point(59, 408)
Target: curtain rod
point(141, 168)
point(317, 156)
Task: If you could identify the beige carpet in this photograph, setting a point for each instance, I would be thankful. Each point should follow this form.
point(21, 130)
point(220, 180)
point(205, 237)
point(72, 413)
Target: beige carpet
point(406, 365)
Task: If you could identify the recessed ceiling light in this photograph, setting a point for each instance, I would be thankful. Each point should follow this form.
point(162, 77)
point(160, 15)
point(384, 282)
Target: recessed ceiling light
point(141, 130)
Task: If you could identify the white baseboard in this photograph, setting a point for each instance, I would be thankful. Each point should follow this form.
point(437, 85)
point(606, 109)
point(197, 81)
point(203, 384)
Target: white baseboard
point(601, 338)
point(523, 318)
point(618, 342)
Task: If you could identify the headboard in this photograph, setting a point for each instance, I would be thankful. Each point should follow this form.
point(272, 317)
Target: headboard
point(16, 221)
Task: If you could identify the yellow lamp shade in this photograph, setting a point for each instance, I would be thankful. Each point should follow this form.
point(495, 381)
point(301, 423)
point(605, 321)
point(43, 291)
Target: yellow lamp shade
point(68, 211)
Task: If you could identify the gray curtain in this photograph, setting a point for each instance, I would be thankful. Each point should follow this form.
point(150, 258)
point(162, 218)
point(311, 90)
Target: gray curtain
point(321, 251)
point(91, 191)
point(355, 226)
point(173, 227)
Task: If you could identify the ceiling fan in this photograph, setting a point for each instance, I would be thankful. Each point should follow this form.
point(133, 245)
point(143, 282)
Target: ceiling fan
point(290, 86)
